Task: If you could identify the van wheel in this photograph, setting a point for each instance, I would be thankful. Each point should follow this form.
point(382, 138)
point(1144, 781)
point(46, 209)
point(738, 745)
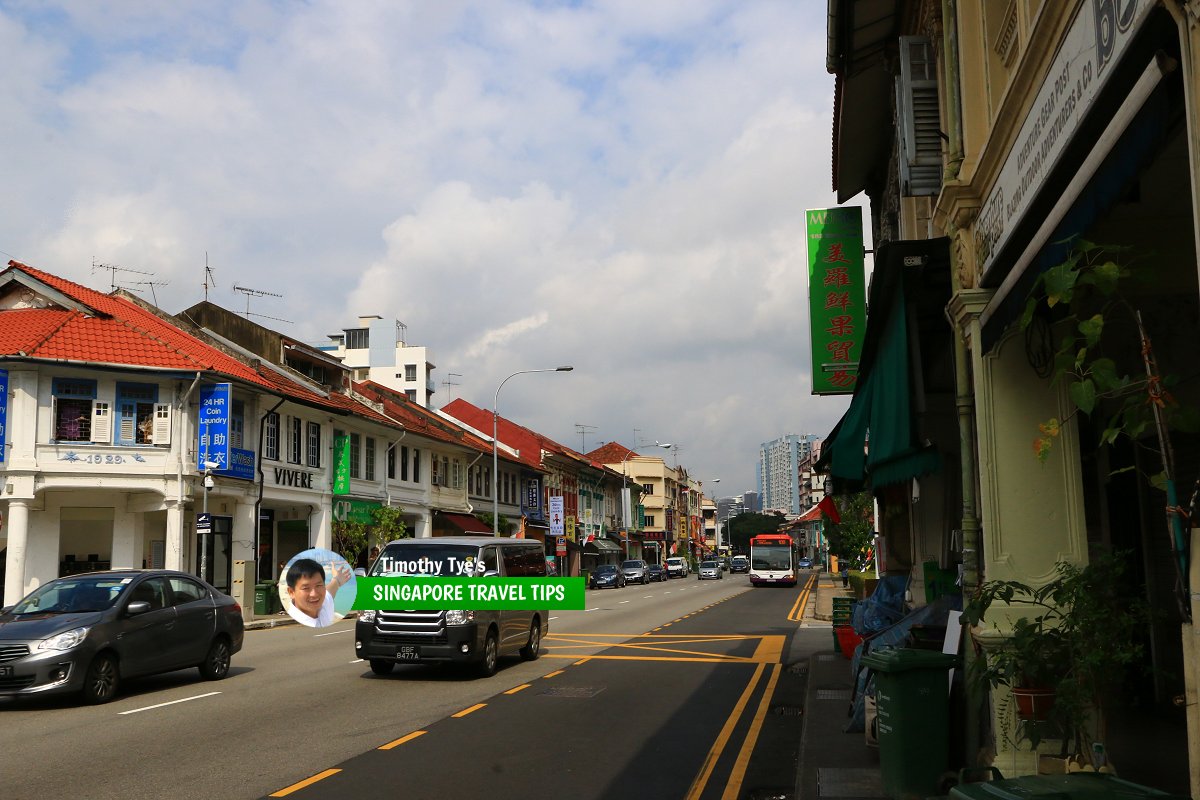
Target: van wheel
point(102, 679)
point(486, 667)
point(533, 649)
point(381, 666)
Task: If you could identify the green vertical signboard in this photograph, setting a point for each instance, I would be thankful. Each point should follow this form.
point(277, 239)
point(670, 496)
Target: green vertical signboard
point(341, 464)
point(836, 296)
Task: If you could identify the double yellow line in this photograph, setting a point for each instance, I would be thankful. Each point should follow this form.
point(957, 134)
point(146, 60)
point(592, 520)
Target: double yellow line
point(734, 785)
point(797, 612)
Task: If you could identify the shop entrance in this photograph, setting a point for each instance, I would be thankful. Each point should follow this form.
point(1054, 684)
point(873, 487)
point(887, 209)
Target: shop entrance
point(213, 549)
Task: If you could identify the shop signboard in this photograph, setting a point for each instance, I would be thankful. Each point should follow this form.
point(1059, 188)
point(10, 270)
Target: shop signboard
point(569, 523)
point(213, 430)
point(241, 465)
point(341, 464)
point(557, 523)
point(3, 411)
point(355, 511)
point(837, 292)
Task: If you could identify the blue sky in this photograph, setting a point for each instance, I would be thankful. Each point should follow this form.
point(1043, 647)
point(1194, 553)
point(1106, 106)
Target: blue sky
point(615, 185)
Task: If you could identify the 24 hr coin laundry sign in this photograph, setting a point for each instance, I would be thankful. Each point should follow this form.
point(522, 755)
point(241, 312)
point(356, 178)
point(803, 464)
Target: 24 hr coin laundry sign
point(215, 402)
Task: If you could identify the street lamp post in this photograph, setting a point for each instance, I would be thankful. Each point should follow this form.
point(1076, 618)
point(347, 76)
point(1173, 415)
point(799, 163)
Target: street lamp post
point(495, 431)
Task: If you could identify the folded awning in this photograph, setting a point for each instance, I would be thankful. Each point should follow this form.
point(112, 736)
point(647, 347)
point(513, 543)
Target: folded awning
point(603, 546)
point(876, 441)
point(463, 522)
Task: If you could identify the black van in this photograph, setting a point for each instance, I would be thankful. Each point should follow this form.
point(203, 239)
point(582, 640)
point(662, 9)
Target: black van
point(478, 638)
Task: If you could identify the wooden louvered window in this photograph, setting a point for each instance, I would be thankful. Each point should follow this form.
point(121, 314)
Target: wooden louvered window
point(918, 119)
point(137, 413)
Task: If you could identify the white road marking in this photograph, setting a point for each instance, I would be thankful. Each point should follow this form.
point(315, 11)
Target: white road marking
point(173, 702)
point(624, 601)
point(333, 633)
point(597, 608)
point(357, 661)
point(554, 618)
point(649, 596)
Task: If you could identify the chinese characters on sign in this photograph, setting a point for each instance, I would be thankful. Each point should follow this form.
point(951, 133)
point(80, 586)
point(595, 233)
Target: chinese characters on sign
point(215, 401)
point(836, 297)
point(3, 410)
point(341, 464)
point(557, 524)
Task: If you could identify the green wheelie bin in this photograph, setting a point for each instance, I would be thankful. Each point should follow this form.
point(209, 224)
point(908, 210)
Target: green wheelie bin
point(912, 703)
point(262, 599)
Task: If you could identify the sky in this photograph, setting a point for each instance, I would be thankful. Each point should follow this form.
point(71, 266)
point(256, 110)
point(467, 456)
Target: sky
point(616, 186)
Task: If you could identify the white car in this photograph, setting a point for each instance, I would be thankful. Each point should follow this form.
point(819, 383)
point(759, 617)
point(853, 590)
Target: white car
point(677, 567)
point(710, 569)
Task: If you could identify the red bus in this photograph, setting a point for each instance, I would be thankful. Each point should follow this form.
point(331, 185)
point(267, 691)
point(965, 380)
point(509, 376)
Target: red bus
point(772, 560)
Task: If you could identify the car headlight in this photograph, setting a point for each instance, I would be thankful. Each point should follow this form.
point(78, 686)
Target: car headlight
point(63, 641)
point(459, 617)
point(366, 616)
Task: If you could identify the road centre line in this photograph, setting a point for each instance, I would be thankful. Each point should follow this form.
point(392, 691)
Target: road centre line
point(714, 753)
point(295, 787)
point(171, 703)
point(470, 710)
point(734, 786)
point(516, 689)
point(402, 740)
point(552, 674)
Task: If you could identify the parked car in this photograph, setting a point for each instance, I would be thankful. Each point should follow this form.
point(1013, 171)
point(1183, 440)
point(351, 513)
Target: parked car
point(87, 633)
point(677, 567)
point(709, 569)
point(804, 563)
point(635, 571)
point(606, 575)
point(657, 572)
point(739, 564)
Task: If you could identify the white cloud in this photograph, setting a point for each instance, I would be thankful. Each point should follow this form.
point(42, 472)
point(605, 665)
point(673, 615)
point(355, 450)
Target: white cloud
point(615, 185)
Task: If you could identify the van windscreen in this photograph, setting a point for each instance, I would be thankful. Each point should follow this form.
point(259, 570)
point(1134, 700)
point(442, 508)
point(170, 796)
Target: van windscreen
point(445, 560)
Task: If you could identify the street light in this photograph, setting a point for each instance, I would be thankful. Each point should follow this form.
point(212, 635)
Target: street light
point(495, 430)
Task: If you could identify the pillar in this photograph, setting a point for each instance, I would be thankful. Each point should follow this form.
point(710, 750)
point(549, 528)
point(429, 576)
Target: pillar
point(18, 537)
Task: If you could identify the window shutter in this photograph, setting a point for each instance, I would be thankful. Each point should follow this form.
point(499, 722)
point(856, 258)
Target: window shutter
point(918, 119)
point(101, 422)
point(162, 423)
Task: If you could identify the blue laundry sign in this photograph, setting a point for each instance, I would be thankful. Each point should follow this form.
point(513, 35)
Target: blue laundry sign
point(3, 412)
point(213, 428)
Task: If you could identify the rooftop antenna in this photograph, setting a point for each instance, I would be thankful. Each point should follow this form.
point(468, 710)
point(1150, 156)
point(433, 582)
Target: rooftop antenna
point(113, 269)
point(583, 430)
point(450, 382)
point(151, 284)
point(258, 293)
point(209, 278)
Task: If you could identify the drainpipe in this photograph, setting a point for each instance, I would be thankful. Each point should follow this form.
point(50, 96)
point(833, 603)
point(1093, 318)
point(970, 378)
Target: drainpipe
point(179, 425)
point(387, 489)
point(954, 156)
point(495, 483)
point(261, 476)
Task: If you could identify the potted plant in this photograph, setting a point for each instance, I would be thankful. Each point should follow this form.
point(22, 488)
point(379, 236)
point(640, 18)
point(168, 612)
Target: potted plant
point(1073, 646)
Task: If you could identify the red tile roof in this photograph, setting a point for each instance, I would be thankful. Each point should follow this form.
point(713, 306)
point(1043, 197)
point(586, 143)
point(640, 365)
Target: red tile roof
point(116, 331)
point(529, 443)
point(420, 420)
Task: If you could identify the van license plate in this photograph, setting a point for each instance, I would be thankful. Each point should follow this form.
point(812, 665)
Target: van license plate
point(408, 653)
point(6, 672)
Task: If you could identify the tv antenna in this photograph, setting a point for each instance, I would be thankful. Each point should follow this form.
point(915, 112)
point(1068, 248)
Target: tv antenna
point(113, 269)
point(258, 293)
point(209, 278)
point(583, 431)
point(449, 382)
point(151, 284)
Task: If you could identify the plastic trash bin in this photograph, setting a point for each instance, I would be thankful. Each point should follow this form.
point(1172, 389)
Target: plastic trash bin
point(911, 695)
point(262, 601)
point(1075, 786)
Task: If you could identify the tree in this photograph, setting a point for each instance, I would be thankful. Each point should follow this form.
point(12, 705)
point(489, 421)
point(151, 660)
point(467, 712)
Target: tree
point(350, 537)
point(856, 531)
point(743, 526)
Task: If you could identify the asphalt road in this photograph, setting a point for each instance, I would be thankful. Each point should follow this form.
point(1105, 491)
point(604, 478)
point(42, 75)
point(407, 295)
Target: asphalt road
point(653, 691)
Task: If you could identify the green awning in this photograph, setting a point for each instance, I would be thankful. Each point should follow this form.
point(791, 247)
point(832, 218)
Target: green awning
point(875, 442)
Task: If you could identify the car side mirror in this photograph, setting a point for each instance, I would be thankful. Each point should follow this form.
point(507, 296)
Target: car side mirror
point(137, 607)
point(360, 573)
point(491, 573)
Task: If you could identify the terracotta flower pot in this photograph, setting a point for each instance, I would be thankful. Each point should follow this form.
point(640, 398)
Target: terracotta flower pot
point(1033, 704)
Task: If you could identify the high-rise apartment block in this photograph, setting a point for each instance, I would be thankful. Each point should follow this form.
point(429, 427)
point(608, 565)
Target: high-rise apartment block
point(779, 472)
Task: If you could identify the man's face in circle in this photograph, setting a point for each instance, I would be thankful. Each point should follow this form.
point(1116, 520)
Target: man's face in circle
point(308, 594)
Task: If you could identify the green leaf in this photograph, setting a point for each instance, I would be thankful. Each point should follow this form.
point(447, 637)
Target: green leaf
point(1110, 435)
point(1159, 481)
point(1083, 394)
point(1091, 329)
point(1106, 276)
point(1104, 374)
point(1060, 283)
point(1027, 314)
point(1079, 359)
point(1186, 419)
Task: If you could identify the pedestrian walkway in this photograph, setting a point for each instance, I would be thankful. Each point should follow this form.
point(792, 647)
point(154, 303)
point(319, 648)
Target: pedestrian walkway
point(833, 763)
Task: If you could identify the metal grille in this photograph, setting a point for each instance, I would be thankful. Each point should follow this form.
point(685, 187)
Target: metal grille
point(426, 626)
point(12, 652)
point(833, 694)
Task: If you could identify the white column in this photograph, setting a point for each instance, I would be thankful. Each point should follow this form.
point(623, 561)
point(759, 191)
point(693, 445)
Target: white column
point(18, 536)
point(424, 527)
point(320, 526)
point(127, 541)
point(176, 556)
